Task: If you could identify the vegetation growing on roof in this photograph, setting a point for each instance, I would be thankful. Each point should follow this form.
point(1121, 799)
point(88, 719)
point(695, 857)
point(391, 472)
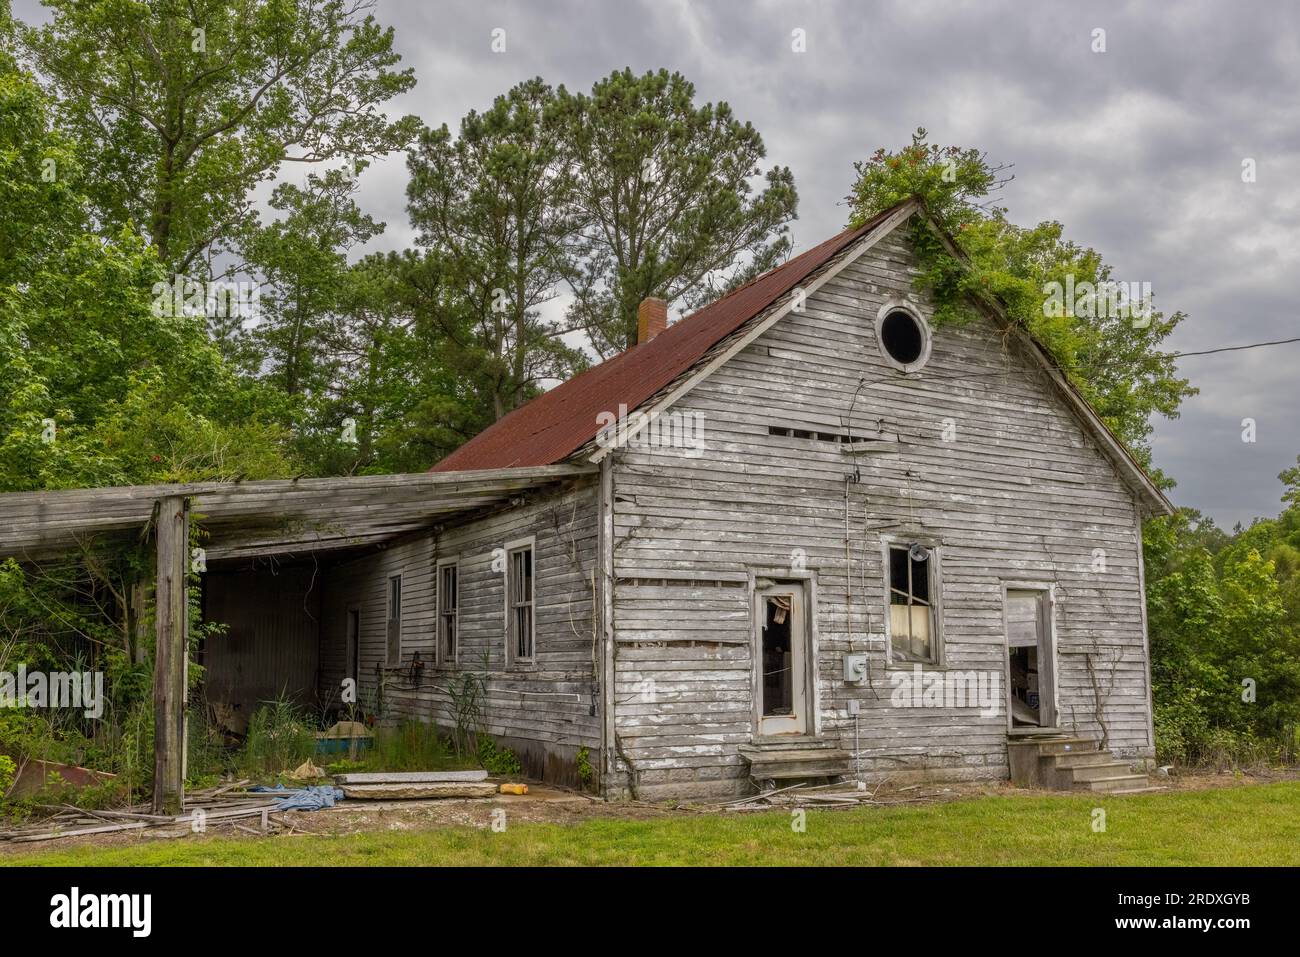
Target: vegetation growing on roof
point(1115, 361)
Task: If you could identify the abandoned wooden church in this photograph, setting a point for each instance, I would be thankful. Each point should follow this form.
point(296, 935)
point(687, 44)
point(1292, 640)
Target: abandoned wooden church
point(800, 533)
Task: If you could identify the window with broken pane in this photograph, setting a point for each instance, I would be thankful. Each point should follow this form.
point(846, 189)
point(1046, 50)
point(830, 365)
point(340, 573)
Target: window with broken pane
point(778, 670)
point(911, 613)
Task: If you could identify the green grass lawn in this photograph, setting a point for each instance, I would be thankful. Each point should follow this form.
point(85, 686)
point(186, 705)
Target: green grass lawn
point(1254, 825)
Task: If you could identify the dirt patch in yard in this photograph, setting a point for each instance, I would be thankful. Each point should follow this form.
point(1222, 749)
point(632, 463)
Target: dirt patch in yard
point(547, 805)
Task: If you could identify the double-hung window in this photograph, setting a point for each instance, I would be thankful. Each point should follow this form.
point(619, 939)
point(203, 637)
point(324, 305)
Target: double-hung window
point(521, 632)
point(913, 585)
point(448, 620)
point(394, 621)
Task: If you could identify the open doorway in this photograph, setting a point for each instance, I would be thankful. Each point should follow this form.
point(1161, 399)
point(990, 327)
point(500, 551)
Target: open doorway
point(1031, 686)
point(781, 650)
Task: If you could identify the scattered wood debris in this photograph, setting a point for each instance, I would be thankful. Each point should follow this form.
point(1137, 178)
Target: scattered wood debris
point(821, 795)
point(251, 812)
point(204, 810)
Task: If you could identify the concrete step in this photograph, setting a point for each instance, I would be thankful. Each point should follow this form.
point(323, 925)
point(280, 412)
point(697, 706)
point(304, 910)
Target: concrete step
point(1065, 761)
point(1118, 784)
point(801, 773)
point(1078, 759)
point(1083, 773)
point(1066, 745)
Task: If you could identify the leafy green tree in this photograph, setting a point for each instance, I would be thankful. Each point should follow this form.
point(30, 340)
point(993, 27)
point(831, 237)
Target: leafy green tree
point(100, 387)
point(446, 344)
point(495, 205)
point(665, 200)
point(301, 263)
point(1224, 622)
point(384, 397)
point(1113, 358)
point(182, 107)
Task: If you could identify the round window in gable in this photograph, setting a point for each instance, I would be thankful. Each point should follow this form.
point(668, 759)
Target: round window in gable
point(903, 337)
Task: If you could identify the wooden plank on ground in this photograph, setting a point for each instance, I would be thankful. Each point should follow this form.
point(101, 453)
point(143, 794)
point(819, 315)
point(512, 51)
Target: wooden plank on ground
point(445, 789)
point(410, 777)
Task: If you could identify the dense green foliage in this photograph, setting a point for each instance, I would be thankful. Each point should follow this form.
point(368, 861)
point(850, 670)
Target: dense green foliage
point(663, 197)
point(494, 207)
point(1225, 636)
point(97, 388)
point(1113, 359)
point(181, 107)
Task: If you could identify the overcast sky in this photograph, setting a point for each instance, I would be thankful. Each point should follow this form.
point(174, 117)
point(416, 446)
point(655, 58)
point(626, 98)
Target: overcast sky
point(1137, 150)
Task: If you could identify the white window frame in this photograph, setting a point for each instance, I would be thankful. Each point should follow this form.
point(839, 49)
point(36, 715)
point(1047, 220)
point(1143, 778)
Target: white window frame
point(511, 549)
point(927, 339)
point(389, 618)
point(452, 562)
point(935, 563)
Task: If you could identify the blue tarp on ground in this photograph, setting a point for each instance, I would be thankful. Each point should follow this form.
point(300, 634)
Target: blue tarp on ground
point(302, 799)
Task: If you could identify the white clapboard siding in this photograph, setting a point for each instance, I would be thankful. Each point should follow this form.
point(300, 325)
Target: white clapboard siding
point(546, 710)
point(1022, 492)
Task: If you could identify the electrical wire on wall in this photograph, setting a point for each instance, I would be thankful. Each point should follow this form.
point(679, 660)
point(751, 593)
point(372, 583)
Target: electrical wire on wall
point(852, 479)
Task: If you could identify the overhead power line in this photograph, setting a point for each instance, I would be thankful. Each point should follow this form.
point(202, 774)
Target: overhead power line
point(1249, 345)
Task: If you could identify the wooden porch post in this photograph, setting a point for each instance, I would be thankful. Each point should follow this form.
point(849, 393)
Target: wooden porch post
point(170, 652)
point(605, 618)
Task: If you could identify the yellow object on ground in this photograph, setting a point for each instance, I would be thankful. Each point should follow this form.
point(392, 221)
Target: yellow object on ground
point(305, 772)
point(514, 789)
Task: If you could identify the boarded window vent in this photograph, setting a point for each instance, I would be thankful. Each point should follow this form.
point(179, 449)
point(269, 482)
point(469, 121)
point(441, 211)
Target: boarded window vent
point(815, 436)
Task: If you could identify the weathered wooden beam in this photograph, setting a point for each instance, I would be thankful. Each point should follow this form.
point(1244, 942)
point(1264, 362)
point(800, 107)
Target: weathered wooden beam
point(307, 546)
point(433, 482)
point(36, 524)
point(171, 536)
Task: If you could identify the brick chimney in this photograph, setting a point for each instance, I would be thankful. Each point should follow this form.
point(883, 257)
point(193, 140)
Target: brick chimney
point(651, 319)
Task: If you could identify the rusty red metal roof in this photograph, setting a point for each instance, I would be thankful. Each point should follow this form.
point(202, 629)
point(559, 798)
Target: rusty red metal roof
point(557, 423)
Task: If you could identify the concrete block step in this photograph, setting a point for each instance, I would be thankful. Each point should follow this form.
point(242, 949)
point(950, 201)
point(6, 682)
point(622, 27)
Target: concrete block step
point(801, 772)
point(1094, 772)
point(1066, 745)
point(1118, 783)
point(1077, 759)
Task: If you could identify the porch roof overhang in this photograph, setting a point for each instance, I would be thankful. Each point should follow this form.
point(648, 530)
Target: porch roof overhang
point(274, 517)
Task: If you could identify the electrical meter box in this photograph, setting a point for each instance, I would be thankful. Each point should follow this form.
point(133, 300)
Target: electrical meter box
point(855, 668)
